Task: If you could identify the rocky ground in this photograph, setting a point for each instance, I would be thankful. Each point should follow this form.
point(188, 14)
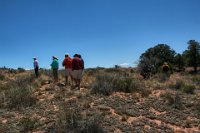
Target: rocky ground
point(60, 108)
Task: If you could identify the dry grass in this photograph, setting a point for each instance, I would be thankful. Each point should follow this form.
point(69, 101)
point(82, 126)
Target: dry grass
point(18, 93)
point(130, 108)
point(107, 83)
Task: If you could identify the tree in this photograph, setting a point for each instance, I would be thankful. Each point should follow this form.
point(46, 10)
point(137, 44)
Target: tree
point(192, 54)
point(179, 62)
point(153, 58)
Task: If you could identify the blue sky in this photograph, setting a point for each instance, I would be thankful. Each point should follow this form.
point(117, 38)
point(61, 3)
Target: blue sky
point(105, 32)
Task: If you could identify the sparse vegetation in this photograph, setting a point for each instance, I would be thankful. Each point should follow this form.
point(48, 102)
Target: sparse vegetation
point(196, 79)
point(29, 104)
point(188, 88)
point(19, 93)
point(27, 124)
point(173, 100)
point(178, 85)
point(184, 87)
point(107, 83)
point(2, 77)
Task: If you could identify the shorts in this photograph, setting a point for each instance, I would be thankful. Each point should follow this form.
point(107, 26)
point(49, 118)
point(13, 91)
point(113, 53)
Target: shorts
point(68, 72)
point(77, 74)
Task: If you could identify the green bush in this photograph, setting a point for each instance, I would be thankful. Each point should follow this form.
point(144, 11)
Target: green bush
point(189, 89)
point(20, 70)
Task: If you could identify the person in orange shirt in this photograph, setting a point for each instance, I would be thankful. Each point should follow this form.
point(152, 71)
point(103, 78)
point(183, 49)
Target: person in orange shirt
point(67, 63)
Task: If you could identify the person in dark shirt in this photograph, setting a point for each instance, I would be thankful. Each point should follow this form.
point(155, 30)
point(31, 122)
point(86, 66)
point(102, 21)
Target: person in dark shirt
point(77, 70)
point(82, 62)
point(36, 66)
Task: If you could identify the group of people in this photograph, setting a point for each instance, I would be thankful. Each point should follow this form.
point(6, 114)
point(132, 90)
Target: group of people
point(73, 69)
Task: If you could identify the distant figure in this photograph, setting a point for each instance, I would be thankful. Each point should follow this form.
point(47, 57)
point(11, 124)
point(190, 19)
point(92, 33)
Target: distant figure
point(165, 71)
point(77, 70)
point(165, 67)
point(36, 66)
point(67, 63)
point(55, 66)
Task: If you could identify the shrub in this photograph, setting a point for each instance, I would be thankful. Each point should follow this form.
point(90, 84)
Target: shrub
point(2, 77)
point(103, 84)
point(20, 70)
point(91, 71)
point(197, 106)
point(20, 97)
point(168, 97)
point(178, 85)
point(68, 117)
point(189, 89)
point(196, 79)
point(173, 100)
point(18, 93)
point(92, 126)
point(27, 124)
point(108, 83)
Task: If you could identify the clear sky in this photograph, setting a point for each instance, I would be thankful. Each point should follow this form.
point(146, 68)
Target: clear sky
point(105, 32)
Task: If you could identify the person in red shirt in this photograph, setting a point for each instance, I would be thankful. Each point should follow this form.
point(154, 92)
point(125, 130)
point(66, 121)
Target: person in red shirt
point(67, 63)
point(77, 70)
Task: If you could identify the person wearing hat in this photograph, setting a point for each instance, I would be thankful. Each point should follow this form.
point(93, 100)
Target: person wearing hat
point(77, 70)
point(165, 67)
point(166, 70)
point(55, 67)
point(67, 63)
point(36, 66)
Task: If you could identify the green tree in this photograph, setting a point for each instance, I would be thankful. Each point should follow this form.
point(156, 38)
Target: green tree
point(153, 58)
point(192, 54)
point(179, 62)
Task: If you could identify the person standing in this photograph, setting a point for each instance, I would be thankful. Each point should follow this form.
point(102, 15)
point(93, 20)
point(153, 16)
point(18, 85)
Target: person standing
point(165, 71)
point(82, 62)
point(77, 70)
point(67, 63)
point(36, 66)
point(55, 67)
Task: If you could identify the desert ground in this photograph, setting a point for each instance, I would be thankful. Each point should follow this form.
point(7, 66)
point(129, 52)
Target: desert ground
point(110, 100)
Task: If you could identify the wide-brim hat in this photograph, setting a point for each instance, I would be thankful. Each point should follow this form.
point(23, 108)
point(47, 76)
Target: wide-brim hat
point(55, 57)
point(66, 54)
